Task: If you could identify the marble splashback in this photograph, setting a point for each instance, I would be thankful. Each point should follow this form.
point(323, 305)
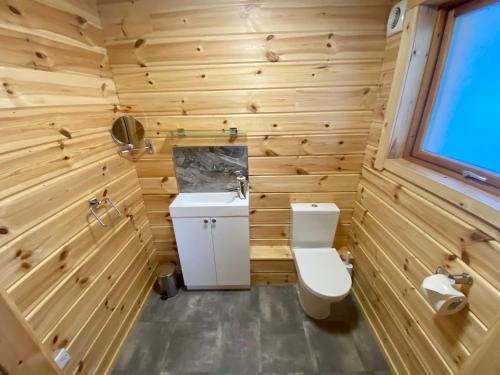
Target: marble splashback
point(209, 169)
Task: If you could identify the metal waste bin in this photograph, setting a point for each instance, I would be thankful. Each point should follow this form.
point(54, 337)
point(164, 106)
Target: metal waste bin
point(167, 280)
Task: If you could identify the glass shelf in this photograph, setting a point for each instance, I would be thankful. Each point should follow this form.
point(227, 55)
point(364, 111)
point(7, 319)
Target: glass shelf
point(231, 133)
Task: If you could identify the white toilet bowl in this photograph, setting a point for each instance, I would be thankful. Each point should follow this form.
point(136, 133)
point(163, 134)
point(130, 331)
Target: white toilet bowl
point(323, 277)
point(323, 280)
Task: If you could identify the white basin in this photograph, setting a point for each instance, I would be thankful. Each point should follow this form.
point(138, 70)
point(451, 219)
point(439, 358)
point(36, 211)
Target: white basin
point(209, 204)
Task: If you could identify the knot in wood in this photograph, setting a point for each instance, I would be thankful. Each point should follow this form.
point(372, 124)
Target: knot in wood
point(252, 107)
point(40, 55)
point(65, 133)
point(272, 56)
point(81, 20)
point(139, 42)
point(14, 10)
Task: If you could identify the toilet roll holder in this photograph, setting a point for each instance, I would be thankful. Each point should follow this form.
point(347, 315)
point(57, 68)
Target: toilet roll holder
point(462, 278)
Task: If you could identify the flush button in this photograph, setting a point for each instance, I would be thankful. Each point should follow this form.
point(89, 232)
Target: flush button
point(314, 205)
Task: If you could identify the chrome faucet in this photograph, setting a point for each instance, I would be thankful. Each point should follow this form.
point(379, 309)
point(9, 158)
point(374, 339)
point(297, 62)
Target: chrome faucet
point(241, 185)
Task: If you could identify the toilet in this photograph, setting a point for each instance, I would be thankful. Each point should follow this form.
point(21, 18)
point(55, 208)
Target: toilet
point(323, 278)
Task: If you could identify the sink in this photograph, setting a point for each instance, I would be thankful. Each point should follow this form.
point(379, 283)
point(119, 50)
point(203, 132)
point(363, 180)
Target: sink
point(209, 204)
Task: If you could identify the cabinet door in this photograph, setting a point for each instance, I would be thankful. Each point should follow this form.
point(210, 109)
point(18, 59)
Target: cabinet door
point(232, 251)
point(194, 241)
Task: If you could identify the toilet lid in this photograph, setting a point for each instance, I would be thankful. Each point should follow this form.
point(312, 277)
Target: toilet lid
point(323, 272)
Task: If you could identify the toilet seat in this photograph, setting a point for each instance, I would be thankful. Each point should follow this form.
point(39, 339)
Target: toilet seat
point(322, 272)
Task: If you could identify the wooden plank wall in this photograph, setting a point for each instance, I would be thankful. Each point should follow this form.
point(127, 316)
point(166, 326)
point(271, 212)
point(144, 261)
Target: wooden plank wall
point(76, 285)
point(402, 233)
point(23, 354)
point(298, 77)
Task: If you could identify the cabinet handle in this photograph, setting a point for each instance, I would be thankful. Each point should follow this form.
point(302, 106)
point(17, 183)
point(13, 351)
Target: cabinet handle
point(205, 221)
point(213, 220)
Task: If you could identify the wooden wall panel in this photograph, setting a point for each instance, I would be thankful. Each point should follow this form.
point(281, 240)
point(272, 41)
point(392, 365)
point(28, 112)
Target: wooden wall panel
point(340, 143)
point(23, 354)
point(23, 49)
point(261, 124)
point(244, 48)
point(248, 76)
point(40, 126)
point(29, 167)
point(82, 339)
point(401, 233)
point(327, 164)
point(250, 101)
point(344, 200)
point(52, 22)
point(25, 87)
point(150, 18)
point(299, 79)
point(58, 266)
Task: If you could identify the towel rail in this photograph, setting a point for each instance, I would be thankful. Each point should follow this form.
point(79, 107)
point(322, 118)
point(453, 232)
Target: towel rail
point(94, 203)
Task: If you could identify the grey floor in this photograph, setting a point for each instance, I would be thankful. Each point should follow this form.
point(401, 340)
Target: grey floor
point(261, 331)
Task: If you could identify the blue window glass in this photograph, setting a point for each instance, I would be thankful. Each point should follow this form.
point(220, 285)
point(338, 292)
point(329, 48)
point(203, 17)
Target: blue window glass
point(465, 122)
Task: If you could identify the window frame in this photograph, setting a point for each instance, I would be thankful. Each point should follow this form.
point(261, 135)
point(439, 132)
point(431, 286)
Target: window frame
point(429, 89)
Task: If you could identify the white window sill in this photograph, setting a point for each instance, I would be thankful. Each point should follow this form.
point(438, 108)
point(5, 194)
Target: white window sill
point(473, 200)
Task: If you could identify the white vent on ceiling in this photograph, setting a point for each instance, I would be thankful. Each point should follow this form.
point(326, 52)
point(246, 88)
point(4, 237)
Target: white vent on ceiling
point(396, 18)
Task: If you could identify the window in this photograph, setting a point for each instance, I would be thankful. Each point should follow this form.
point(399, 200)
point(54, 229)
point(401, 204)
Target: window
point(459, 128)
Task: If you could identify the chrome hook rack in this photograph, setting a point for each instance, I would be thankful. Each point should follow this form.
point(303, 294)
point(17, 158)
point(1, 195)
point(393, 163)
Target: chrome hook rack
point(94, 203)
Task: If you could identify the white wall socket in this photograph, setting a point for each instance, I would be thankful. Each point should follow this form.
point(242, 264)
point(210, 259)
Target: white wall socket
point(62, 358)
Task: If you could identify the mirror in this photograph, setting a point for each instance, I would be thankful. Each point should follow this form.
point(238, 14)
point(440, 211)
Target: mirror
point(126, 130)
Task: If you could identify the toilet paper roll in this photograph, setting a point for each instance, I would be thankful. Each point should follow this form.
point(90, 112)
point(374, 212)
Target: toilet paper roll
point(443, 297)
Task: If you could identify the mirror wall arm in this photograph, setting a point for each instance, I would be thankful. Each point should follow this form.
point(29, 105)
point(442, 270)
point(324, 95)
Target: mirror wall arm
point(148, 146)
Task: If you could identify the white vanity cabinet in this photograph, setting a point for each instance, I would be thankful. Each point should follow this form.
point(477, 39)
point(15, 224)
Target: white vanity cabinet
point(231, 245)
point(194, 243)
point(214, 250)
